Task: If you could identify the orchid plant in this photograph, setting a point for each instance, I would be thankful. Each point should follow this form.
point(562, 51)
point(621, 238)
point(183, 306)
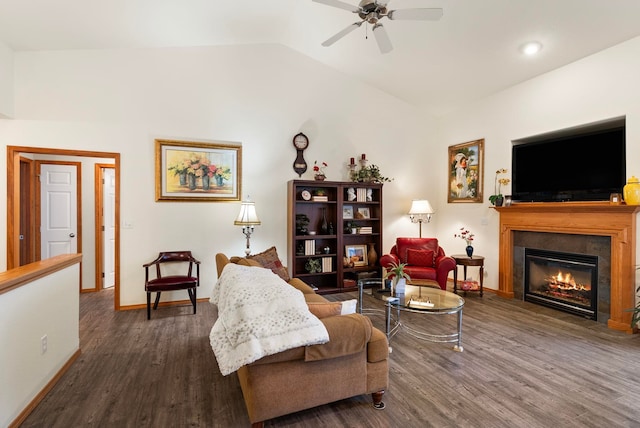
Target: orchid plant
point(498, 183)
point(318, 169)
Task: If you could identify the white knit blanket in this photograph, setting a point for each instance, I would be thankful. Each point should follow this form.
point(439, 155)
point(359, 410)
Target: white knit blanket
point(259, 314)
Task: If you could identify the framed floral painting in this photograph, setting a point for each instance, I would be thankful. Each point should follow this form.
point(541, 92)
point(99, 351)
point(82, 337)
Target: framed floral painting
point(465, 172)
point(193, 171)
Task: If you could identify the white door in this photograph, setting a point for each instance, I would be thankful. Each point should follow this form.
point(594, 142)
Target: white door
point(59, 202)
point(109, 232)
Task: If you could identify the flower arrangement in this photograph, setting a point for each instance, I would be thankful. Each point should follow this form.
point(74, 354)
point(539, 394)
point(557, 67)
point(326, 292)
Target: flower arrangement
point(466, 235)
point(198, 165)
point(498, 183)
point(318, 170)
point(369, 174)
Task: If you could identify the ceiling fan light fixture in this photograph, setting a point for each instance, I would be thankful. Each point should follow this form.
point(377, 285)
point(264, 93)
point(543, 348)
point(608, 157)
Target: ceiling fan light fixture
point(531, 48)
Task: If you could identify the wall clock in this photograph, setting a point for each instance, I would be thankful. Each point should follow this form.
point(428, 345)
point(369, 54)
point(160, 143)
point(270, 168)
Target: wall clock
point(300, 142)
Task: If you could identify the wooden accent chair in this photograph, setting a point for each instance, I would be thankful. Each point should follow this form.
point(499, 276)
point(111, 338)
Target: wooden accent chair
point(171, 282)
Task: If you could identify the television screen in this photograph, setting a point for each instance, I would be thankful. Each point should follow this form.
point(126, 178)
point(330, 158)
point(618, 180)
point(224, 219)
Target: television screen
point(586, 167)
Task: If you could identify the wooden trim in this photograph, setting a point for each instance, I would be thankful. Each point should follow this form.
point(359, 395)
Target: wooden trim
point(13, 203)
point(23, 275)
point(580, 218)
point(43, 393)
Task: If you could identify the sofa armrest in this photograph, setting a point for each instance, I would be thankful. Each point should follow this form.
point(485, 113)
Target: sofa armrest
point(301, 285)
point(387, 259)
point(348, 334)
point(444, 265)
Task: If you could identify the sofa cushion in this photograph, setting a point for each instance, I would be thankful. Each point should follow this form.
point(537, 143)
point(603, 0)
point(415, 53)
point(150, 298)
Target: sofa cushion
point(270, 260)
point(378, 347)
point(423, 258)
point(403, 244)
point(324, 310)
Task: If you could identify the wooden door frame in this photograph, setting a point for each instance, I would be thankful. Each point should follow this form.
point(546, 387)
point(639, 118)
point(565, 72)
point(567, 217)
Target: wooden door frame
point(13, 202)
point(98, 191)
point(28, 244)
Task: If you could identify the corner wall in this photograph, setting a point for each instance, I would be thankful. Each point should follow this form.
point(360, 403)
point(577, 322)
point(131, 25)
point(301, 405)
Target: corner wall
point(601, 86)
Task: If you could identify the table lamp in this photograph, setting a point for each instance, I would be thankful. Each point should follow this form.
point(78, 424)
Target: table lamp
point(247, 219)
point(420, 211)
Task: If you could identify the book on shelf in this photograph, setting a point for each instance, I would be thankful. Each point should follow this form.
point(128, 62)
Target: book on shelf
point(309, 247)
point(366, 230)
point(320, 198)
point(361, 195)
point(327, 264)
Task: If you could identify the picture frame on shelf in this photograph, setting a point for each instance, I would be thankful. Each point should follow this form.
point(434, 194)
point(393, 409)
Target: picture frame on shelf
point(197, 172)
point(466, 174)
point(357, 254)
point(364, 213)
point(347, 212)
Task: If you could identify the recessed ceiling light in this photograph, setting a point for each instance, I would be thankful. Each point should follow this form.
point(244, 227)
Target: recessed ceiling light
point(531, 48)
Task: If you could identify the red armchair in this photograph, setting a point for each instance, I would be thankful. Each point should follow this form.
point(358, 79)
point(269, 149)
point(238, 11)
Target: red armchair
point(425, 259)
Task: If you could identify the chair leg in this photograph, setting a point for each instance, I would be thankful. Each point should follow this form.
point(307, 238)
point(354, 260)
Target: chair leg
point(377, 400)
point(155, 305)
point(192, 297)
point(148, 305)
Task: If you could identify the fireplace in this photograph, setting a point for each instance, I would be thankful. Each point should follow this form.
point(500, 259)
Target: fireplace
point(564, 281)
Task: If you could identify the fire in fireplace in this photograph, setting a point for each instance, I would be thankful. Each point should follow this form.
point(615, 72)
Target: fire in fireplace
point(564, 281)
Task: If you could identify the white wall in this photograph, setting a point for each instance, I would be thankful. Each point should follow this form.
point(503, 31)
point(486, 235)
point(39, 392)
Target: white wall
point(598, 87)
point(6, 81)
point(260, 96)
point(47, 306)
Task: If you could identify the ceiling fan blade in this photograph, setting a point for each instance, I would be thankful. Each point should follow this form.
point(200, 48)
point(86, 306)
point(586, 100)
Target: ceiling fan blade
point(419, 14)
point(339, 4)
point(341, 34)
point(384, 43)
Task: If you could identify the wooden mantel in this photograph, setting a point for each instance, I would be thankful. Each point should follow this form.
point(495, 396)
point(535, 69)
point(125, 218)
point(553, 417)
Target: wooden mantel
point(579, 218)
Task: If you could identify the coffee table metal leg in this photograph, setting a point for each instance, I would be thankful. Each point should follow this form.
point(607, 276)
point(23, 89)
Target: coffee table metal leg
point(458, 347)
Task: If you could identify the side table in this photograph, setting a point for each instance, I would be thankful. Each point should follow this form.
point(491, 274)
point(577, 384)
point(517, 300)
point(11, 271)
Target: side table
point(465, 261)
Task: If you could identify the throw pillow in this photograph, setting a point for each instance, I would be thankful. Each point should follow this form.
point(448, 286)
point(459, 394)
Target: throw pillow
point(324, 310)
point(269, 259)
point(424, 258)
point(349, 307)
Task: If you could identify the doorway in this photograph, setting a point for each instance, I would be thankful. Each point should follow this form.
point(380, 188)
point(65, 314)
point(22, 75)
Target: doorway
point(105, 225)
point(14, 221)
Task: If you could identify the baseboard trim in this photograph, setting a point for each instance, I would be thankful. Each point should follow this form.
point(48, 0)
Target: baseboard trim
point(40, 396)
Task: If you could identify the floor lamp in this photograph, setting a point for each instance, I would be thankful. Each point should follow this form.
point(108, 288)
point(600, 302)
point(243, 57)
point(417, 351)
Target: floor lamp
point(420, 211)
point(247, 219)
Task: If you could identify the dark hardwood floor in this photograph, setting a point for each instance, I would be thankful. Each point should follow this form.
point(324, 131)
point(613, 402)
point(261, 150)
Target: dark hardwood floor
point(522, 366)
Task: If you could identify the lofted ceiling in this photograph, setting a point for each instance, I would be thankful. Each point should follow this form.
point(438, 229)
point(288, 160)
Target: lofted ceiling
point(471, 52)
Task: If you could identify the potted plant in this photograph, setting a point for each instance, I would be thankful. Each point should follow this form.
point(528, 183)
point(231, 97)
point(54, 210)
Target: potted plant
point(302, 221)
point(369, 174)
point(497, 198)
point(400, 277)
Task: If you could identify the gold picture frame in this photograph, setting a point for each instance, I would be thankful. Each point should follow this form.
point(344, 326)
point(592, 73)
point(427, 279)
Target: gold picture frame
point(198, 172)
point(465, 179)
point(357, 254)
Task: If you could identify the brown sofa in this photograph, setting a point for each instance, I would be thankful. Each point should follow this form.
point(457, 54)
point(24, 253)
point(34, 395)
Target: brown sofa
point(353, 362)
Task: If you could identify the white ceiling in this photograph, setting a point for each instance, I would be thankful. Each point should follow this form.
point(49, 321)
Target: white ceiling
point(470, 53)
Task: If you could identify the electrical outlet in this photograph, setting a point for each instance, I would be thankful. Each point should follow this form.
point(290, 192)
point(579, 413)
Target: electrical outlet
point(43, 344)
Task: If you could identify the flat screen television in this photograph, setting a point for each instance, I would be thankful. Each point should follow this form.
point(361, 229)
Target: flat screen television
point(578, 166)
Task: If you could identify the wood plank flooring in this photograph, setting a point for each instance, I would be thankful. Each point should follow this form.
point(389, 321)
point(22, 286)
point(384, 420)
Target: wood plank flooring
point(522, 366)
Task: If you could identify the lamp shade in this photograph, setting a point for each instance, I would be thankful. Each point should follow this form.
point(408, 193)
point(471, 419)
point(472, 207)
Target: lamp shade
point(420, 206)
point(247, 216)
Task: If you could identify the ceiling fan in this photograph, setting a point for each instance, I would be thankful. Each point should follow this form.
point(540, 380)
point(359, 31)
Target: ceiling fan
point(372, 11)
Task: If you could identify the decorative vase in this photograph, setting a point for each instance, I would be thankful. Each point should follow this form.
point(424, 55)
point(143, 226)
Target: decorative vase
point(372, 256)
point(499, 201)
point(319, 177)
point(205, 182)
point(219, 180)
point(191, 178)
point(183, 178)
point(399, 286)
point(469, 250)
point(324, 227)
point(632, 191)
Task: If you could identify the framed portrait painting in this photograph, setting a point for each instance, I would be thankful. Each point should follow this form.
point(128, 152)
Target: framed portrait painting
point(465, 179)
point(193, 171)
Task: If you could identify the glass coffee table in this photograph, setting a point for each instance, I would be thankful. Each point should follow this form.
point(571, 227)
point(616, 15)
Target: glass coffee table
point(417, 299)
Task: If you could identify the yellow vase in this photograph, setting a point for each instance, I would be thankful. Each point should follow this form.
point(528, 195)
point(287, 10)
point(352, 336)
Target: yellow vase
point(632, 191)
